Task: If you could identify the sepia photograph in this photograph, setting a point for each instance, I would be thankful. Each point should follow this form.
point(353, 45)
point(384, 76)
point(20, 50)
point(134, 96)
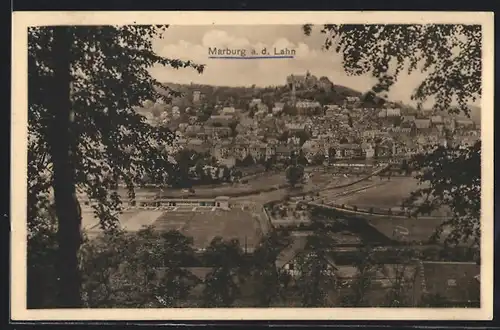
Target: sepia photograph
point(251, 165)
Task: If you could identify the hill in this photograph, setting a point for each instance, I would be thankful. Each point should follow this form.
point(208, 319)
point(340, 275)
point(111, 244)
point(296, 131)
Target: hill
point(239, 96)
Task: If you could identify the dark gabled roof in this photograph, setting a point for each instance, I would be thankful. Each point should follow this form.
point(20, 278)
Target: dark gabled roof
point(283, 148)
point(291, 251)
point(422, 123)
point(349, 146)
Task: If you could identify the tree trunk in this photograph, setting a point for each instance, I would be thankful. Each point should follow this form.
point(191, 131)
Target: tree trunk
point(62, 148)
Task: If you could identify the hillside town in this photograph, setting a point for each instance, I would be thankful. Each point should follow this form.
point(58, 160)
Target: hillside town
point(273, 127)
point(265, 166)
point(296, 159)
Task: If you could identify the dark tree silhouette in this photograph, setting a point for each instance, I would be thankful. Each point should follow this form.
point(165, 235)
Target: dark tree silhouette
point(222, 285)
point(83, 85)
point(294, 174)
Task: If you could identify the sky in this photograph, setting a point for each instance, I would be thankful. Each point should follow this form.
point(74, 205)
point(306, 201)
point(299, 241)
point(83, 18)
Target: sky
point(192, 43)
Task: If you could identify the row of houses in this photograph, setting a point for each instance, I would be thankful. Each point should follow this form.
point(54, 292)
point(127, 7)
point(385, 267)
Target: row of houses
point(456, 283)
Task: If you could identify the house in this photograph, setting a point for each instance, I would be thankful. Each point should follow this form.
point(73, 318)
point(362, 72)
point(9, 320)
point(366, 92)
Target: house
point(255, 102)
point(288, 261)
point(196, 96)
point(260, 114)
point(215, 131)
point(176, 112)
point(382, 113)
point(349, 150)
point(221, 150)
point(465, 123)
point(223, 120)
point(407, 127)
point(182, 127)
point(385, 148)
point(261, 107)
point(230, 162)
point(333, 107)
point(381, 278)
point(197, 145)
point(370, 134)
point(283, 152)
point(453, 283)
point(295, 128)
point(422, 125)
point(352, 99)
point(395, 112)
point(436, 120)
point(239, 150)
point(257, 150)
point(307, 107)
point(330, 113)
point(312, 148)
point(279, 105)
point(368, 150)
point(270, 150)
point(407, 118)
point(193, 130)
point(227, 111)
point(276, 110)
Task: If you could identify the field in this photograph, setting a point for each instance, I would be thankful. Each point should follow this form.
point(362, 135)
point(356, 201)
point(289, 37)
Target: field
point(130, 220)
point(204, 225)
point(389, 194)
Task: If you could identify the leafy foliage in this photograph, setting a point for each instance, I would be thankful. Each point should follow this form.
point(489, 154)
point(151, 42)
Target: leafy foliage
point(316, 271)
point(265, 274)
point(294, 174)
point(84, 133)
point(362, 284)
point(145, 269)
point(449, 54)
point(222, 285)
point(454, 177)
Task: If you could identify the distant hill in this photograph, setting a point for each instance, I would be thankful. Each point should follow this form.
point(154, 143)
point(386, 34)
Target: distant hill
point(337, 95)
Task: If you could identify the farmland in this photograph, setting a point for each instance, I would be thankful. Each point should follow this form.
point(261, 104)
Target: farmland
point(386, 195)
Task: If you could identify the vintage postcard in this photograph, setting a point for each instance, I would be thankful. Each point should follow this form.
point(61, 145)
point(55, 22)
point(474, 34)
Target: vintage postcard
point(252, 166)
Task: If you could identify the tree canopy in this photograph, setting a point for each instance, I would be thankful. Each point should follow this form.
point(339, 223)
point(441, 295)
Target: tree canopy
point(84, 83)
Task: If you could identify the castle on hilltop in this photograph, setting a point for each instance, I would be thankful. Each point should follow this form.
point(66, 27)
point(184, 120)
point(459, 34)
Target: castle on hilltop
point(307, 81)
